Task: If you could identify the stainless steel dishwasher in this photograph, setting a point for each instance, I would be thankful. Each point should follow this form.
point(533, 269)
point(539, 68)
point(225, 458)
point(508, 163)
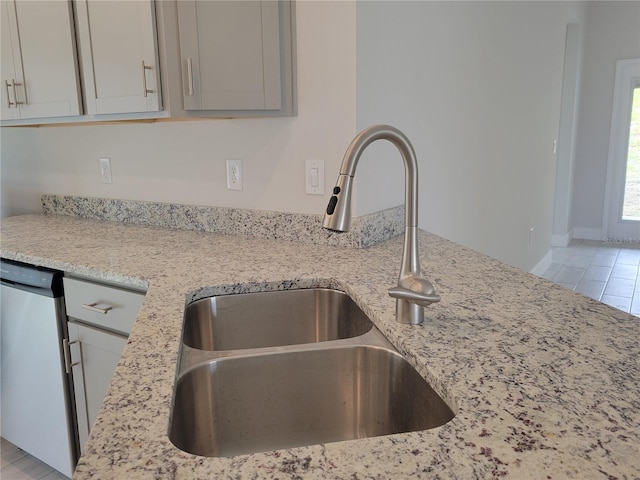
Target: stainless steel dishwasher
point(37, 413)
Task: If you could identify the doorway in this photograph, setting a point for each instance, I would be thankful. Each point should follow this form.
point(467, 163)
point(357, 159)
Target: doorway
point(622, 201)
point(631, 197)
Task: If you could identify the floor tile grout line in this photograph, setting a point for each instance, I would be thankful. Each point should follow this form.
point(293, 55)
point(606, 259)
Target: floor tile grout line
point(609, 275)
point(564, 255)
point(25, 463)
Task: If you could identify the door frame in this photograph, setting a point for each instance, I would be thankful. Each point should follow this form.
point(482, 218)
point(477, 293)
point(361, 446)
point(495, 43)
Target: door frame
point(627, 78)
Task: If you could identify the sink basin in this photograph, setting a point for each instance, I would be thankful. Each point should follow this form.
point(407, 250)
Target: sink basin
point(271, 370)
point(260, 402)
point(270, 319)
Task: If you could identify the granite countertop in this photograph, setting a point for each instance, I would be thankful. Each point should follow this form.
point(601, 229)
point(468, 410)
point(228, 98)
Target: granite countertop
point(545, 383)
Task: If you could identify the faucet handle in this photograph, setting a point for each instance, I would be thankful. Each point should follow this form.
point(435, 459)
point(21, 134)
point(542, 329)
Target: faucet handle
point(424, 299)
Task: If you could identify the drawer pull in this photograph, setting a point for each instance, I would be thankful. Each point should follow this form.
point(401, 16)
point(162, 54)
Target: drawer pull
point(94, 307)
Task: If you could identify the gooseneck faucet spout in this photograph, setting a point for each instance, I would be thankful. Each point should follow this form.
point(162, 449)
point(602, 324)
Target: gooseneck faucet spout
point(413, 291)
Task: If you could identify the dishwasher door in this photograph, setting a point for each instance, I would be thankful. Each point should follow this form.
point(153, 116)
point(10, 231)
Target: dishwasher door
point(34, 391)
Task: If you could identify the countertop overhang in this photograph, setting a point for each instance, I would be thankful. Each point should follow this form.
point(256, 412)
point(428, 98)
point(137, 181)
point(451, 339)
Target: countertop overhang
point(545, 383)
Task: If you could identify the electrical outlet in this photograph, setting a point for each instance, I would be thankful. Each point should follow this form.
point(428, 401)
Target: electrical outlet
point(234, 174)
point(105, 170)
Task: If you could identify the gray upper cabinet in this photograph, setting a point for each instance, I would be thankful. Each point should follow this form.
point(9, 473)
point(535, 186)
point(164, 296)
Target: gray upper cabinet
point(236, 55)
point(100, 60)
point(119, 56)
point(39, 64)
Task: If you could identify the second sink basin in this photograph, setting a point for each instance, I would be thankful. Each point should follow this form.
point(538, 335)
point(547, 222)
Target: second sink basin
point(255, 403)
point(271, 319)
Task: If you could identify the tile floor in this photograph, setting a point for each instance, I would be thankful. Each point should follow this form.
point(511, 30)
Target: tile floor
point(19, 465)
point(608, 272)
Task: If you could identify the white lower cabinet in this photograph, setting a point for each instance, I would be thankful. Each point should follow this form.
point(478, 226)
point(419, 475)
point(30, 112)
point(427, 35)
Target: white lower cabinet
point(96, 354)
point(100, 319)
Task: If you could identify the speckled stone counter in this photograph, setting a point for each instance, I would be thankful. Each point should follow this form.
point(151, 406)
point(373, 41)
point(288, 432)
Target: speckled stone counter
point(366, 230)
point(545, 383)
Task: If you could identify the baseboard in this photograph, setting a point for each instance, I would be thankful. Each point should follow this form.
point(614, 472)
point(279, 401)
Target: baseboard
point(588, 233)
point(543, 264)
point(561, 240)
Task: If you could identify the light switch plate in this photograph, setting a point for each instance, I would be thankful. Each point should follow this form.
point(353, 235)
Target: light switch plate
point(105, 170)
point(314, 177)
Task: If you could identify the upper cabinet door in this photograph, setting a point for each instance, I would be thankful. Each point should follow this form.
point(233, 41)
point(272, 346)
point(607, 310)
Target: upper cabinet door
point(231, 54)
point(39, 64)
point(118, 49)
point(10, 79)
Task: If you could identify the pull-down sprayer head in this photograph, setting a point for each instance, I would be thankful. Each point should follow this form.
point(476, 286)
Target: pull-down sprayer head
point(338, 214)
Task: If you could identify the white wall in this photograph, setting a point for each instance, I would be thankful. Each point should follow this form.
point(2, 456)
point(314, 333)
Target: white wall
point(612, 33)
point(567, 135)
point(184, 161)
point(476, 87)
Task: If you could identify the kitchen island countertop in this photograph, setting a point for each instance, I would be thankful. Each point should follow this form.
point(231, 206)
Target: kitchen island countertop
point(545, 383)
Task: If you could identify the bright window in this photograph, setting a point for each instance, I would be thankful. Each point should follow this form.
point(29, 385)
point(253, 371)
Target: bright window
point(631, 206)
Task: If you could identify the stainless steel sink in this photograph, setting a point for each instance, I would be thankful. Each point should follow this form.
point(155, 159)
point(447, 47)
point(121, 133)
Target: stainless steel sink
point(270, 370)
point(253, 403)
point(269, 319)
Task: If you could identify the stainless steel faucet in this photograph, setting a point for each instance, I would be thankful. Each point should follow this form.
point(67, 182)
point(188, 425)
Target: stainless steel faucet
point(413, 291)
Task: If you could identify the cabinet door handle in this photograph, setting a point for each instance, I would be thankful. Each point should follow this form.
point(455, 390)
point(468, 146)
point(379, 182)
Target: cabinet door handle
point(144, 79)
point(189, 77)
point(6, 88)
point(14, 84)
point(94, 307)
point(66, 350)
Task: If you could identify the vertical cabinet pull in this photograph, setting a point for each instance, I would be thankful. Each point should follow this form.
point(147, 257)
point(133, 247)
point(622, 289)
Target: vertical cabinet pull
point(6, 88)
point(144, 79)
point(189, 77)
point(66, 350)
point(15, 96)
point(15, 84)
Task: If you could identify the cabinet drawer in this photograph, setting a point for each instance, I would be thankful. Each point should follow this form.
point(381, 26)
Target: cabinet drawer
point(105, 306)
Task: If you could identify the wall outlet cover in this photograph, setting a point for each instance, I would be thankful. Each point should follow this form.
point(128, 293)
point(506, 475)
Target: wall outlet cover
point(234, 174)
